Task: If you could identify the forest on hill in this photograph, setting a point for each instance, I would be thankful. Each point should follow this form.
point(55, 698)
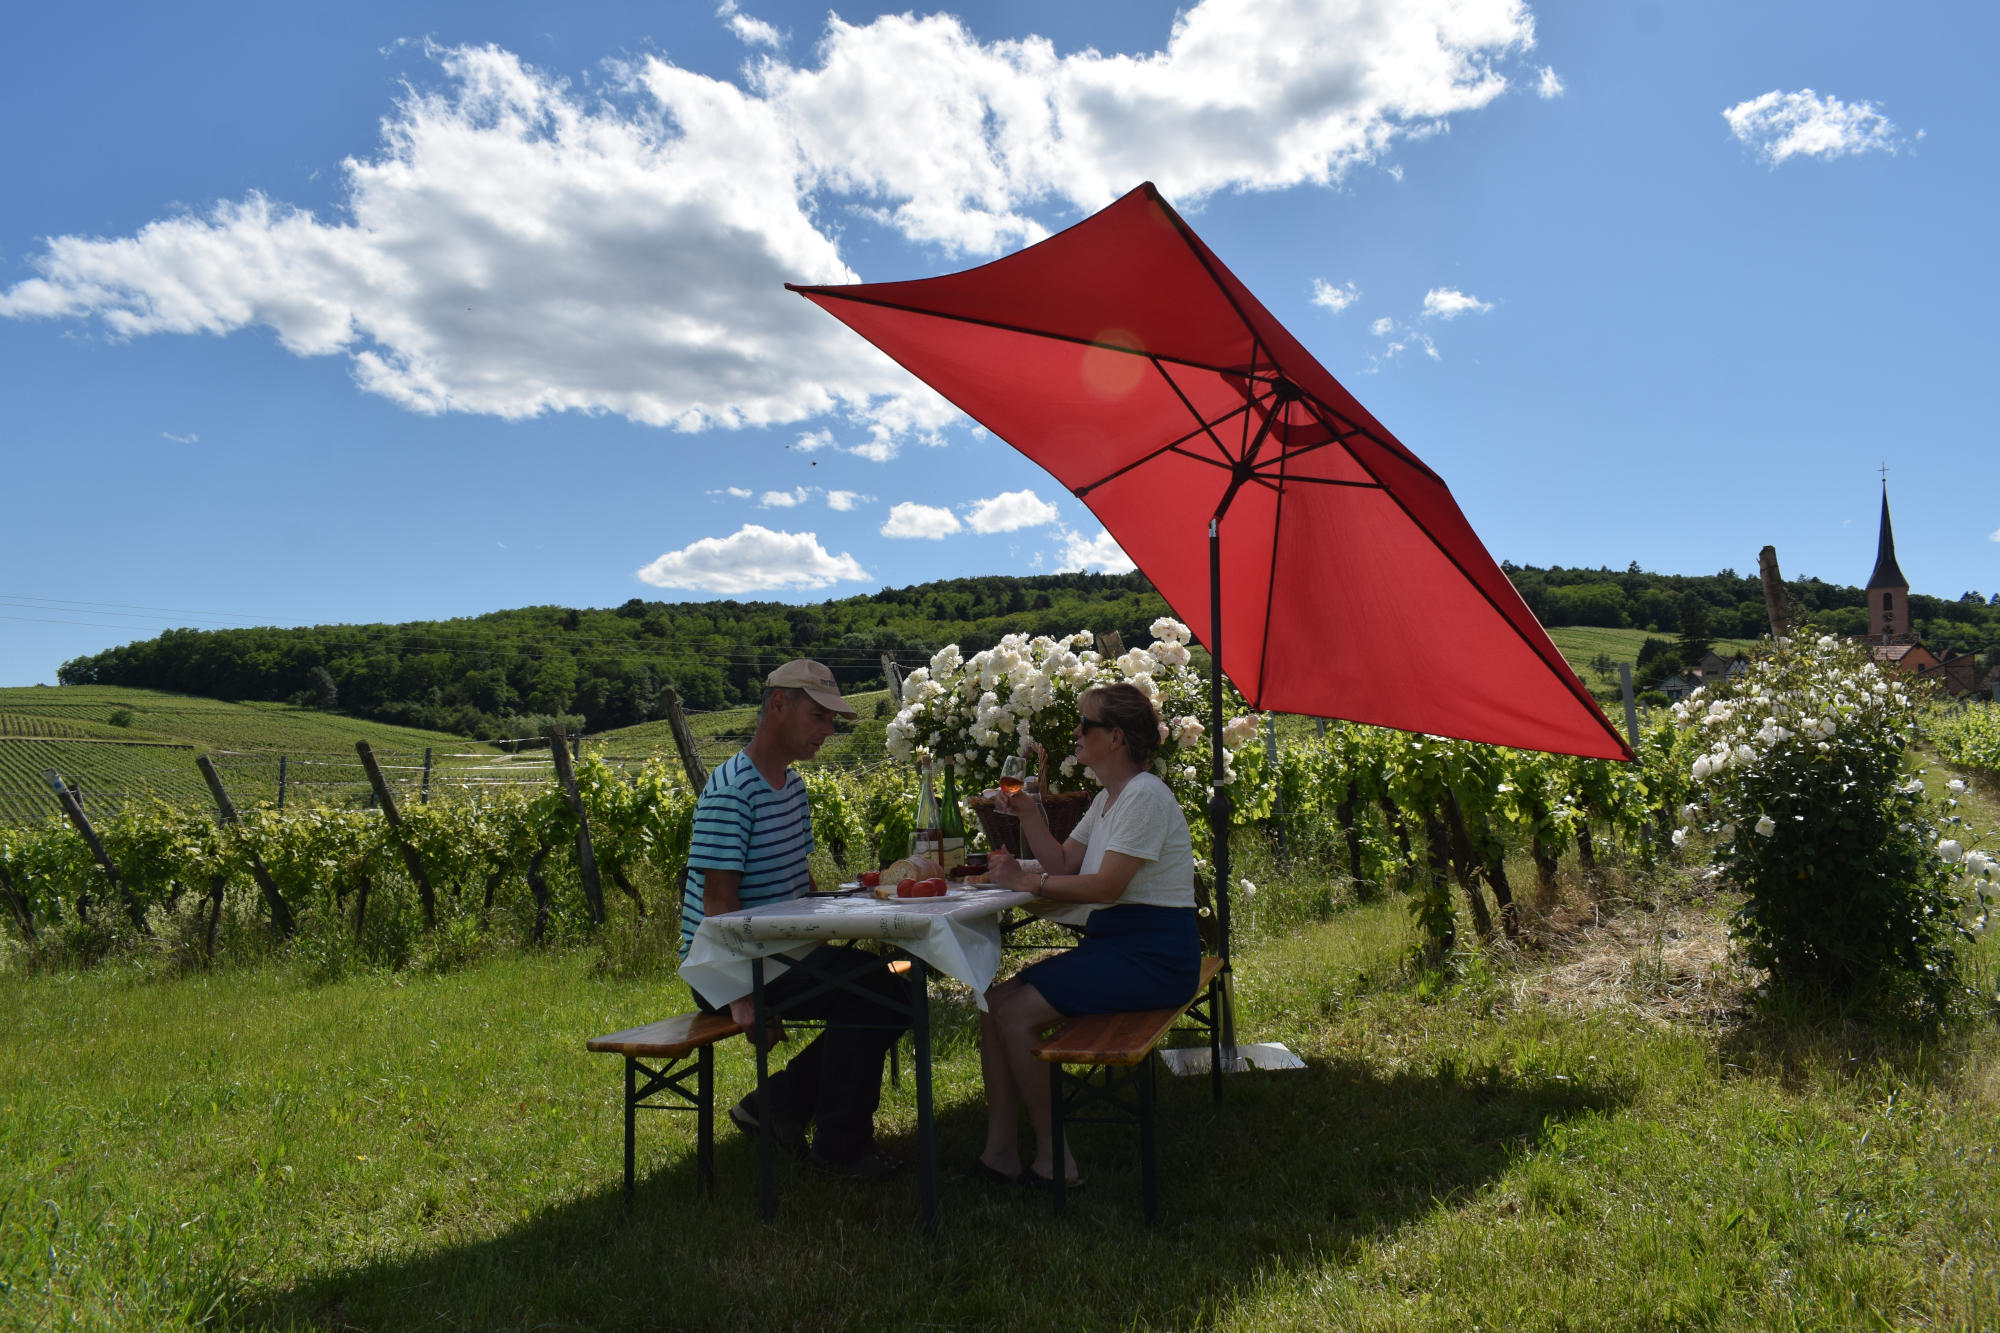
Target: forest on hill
point(508, 672)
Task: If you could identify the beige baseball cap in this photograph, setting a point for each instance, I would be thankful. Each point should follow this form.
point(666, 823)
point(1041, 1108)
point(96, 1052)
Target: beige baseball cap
point(805, 674)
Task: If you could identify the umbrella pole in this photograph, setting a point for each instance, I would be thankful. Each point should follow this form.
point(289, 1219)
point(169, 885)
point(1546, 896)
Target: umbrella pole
point(1219, 813)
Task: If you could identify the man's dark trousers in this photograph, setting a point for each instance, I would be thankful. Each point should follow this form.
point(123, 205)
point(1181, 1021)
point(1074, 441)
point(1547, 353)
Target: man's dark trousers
point(836, 1081)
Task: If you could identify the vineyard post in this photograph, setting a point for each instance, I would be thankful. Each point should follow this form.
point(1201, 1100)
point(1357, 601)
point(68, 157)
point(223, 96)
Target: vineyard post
point(281, 911)
point(586, 854)
point(1774, 591)
point(424, 796)
point(684, 740)
point(1631, 711)
point(19, 903)
point(1110, 644)
point(1319, 728)
point(892, 676)
point(72, 809)
point(411, 860)
point(281, 782)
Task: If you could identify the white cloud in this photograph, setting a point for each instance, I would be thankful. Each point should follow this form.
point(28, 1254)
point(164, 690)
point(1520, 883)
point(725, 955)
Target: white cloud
point(1099, 553)
point(1779, 125)
point(1334, 298)
point(189, 438)
point(1550, 85)
point(1010, 512)
point(516, 246)
point(814, 441)
point(909, 519)
point(751, 31)
point(1450, 303)
point(1401, 339)
point(846, 500)
point(753, 559)
point(735, 492)
point(1993, 536)
point(791, 499)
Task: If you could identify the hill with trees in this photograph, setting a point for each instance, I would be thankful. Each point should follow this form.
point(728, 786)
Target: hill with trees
point(505, 673)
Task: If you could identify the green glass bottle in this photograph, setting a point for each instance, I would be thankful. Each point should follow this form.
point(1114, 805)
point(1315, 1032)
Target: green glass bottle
point(951, 823)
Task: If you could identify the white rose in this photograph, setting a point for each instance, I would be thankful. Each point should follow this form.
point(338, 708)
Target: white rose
point(1955, 786)
point(1727, 833)
point(1689, 813)
point(1976, 863)
point(1766, 826)
point(1949, 849)
point(1680, 836)
point(1703, 766)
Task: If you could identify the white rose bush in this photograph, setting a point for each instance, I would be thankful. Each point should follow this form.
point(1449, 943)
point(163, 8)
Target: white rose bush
point(1800, 779)
point(976, 711)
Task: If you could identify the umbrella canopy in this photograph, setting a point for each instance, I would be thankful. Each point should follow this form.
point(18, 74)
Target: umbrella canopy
point(1340, 579)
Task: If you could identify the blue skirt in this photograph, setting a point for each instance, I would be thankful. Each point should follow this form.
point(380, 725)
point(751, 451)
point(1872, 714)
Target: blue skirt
point(1133, 956)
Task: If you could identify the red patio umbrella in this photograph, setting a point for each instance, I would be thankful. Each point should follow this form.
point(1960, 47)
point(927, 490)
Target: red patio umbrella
point(1338, 578)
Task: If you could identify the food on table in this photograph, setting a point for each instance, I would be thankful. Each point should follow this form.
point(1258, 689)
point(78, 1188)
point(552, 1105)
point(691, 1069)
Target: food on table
point(869, 878)
point(921, 888)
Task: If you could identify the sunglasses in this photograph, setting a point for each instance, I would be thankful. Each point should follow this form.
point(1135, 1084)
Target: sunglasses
point(1089, 724)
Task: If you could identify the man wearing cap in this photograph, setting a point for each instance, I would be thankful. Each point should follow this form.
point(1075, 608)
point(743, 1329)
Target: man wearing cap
point(752, 836)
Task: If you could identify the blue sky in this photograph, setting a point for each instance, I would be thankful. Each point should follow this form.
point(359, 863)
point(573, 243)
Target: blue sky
point(379, 312)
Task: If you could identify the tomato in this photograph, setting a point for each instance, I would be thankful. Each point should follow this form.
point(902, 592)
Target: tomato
point(921, 888)
point(869, 878)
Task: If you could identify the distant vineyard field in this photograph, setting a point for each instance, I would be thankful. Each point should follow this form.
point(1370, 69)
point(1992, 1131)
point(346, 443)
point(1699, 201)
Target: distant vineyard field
point(124, 747)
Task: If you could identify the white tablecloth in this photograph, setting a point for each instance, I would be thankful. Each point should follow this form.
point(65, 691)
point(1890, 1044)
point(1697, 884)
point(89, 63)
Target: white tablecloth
point(958, 934)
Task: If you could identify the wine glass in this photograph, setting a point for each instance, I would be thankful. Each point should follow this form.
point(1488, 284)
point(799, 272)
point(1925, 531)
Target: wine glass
point(1013, 774)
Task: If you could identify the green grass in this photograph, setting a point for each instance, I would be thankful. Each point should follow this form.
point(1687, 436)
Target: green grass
point(243, 1149)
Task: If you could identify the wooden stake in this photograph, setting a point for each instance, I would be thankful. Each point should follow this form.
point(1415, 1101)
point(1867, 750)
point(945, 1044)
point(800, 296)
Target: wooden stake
point(411, 860)
point(677, 722)
point(586, 854)
point(281, 911)
point(72, 809)
point(1774, 591)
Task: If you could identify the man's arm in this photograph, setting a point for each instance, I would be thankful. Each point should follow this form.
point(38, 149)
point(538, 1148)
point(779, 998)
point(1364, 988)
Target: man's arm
point(722, 891)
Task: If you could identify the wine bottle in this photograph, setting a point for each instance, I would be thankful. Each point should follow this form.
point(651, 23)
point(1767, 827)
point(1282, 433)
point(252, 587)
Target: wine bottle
point(951, 824)
point(927, 835)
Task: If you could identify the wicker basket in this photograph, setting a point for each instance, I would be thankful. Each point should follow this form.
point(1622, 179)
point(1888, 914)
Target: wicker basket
point(1063, 809)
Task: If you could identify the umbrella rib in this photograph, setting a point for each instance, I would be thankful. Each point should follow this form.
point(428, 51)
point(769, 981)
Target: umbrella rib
point(1205, 425)
point(835, 293)
point(1172, 446)
point(1321, 412)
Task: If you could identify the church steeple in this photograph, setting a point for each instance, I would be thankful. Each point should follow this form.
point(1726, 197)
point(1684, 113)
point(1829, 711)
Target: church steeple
point(1888, 590)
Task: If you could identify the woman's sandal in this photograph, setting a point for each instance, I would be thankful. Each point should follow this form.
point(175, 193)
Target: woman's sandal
point(1035, 1180)
point(991, 1175)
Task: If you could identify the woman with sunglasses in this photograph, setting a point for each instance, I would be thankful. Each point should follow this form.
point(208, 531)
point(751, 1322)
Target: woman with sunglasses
point(1131, 859)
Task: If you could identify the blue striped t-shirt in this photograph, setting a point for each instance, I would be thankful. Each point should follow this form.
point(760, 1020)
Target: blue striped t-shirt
point(741, 824)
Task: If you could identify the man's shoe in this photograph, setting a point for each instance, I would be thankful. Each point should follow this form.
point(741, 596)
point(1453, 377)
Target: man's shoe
point(789, 1131)
point(870, 1165)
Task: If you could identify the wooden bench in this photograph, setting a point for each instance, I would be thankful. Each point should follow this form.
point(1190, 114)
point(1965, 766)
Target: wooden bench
point(668, 1044)
point(1119, 1053)
point(673, 1040)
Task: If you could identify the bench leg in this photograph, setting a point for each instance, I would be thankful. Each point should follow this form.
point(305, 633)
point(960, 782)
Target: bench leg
point(631, 1120)
point(704, 1118)
point(767, 1143)
point(1148, 1172)
point(1059, 1177)
point(1215, 1038)
point(920, 1036)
